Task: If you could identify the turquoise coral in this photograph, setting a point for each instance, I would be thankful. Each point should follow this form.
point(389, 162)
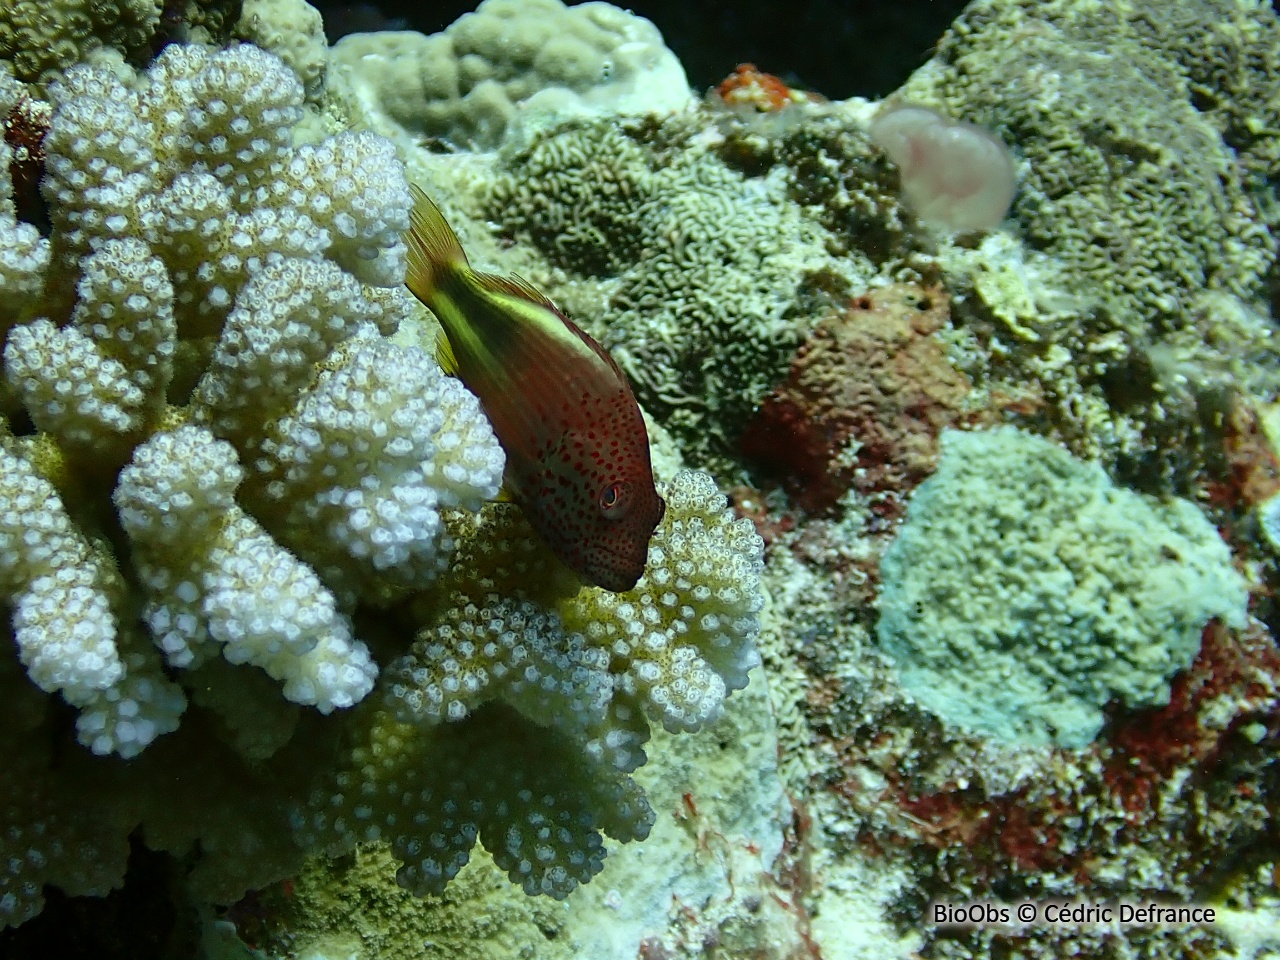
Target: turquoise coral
point(1025, 591)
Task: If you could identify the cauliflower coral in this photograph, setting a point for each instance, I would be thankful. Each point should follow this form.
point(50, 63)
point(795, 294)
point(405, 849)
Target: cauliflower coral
point(188, 237)
point(228, 498)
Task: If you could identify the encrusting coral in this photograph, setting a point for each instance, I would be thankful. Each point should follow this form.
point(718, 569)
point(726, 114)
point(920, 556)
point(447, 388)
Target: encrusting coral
point(1015, 552)
point(228, 495)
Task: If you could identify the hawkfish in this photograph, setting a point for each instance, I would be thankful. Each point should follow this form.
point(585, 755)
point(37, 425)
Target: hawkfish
point(577, 450)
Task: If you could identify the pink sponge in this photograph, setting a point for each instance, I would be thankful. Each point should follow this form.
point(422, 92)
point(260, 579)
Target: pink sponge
point(954, 174)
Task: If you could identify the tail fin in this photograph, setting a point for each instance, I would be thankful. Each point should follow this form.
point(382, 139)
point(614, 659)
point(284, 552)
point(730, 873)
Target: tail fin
point(433, 246)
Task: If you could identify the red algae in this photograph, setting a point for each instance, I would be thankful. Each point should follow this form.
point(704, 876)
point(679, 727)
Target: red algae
point(24, 129)
point(754, 89)
point(1181, 784)
point(864, 402)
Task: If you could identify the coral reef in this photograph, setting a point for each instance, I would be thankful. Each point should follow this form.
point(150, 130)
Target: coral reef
point(1148, 229)
point(41, 39)
point(261, 602)
point(866, 398)
point(294, 31)
point(589, 670)
point(707, 272)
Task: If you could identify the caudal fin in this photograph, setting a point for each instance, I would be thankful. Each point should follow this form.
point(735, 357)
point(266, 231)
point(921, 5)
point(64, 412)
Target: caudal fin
point(433, 247)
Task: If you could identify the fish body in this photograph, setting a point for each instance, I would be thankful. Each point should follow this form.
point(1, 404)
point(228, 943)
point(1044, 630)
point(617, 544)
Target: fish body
point(577, 449)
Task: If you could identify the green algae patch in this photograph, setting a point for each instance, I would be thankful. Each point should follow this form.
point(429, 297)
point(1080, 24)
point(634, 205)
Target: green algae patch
point(347, 908)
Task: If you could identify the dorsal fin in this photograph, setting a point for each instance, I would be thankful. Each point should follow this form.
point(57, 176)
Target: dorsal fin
point(433, 246)
point(517, 286)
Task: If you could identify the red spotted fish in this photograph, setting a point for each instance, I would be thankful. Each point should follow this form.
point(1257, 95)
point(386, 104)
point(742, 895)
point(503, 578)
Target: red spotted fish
point(577, 450)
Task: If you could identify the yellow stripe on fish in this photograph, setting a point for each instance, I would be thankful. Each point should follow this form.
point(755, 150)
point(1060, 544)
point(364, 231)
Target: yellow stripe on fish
point(577, 449)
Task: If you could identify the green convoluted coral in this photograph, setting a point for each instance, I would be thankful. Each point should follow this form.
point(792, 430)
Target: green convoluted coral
point(1025, 591)
point(227, 497)
point(704, 271)
point(1147, 133)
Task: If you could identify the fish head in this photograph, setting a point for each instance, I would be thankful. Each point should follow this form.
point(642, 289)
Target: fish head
point(594, 503)
point(616, 549)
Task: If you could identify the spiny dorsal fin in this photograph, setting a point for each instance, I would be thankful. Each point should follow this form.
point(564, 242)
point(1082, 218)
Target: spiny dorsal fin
point(518, 287)
point(433, 246)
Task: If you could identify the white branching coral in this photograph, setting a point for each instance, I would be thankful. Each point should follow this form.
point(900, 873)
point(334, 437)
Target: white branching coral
point(49, 573)
point(198, 162)
point(70, 388)
point(287, 318)
point(187, 232)
point(502, 649)
point(537, 801)
point(24, 254)
point(685, 633)
point(674, 646)
point(98, 383)
point(214, 577)
point(367, 459)
point(62, 590)
point(569, 679)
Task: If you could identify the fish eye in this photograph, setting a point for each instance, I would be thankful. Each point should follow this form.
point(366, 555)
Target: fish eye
point(613, 501)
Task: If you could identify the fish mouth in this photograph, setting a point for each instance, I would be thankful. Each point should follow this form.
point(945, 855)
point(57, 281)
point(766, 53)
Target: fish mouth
point(615, 572)
point(618, 581)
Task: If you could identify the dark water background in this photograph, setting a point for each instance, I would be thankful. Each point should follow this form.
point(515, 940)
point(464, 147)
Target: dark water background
point(839, 48)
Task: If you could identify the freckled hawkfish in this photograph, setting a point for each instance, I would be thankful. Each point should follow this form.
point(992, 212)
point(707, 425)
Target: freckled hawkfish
point(577, 449)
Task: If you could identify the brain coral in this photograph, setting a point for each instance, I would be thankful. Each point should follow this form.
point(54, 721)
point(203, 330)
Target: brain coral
point(1025, 591)
point(704, 270)
point(465, 85)
point(228, 497)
